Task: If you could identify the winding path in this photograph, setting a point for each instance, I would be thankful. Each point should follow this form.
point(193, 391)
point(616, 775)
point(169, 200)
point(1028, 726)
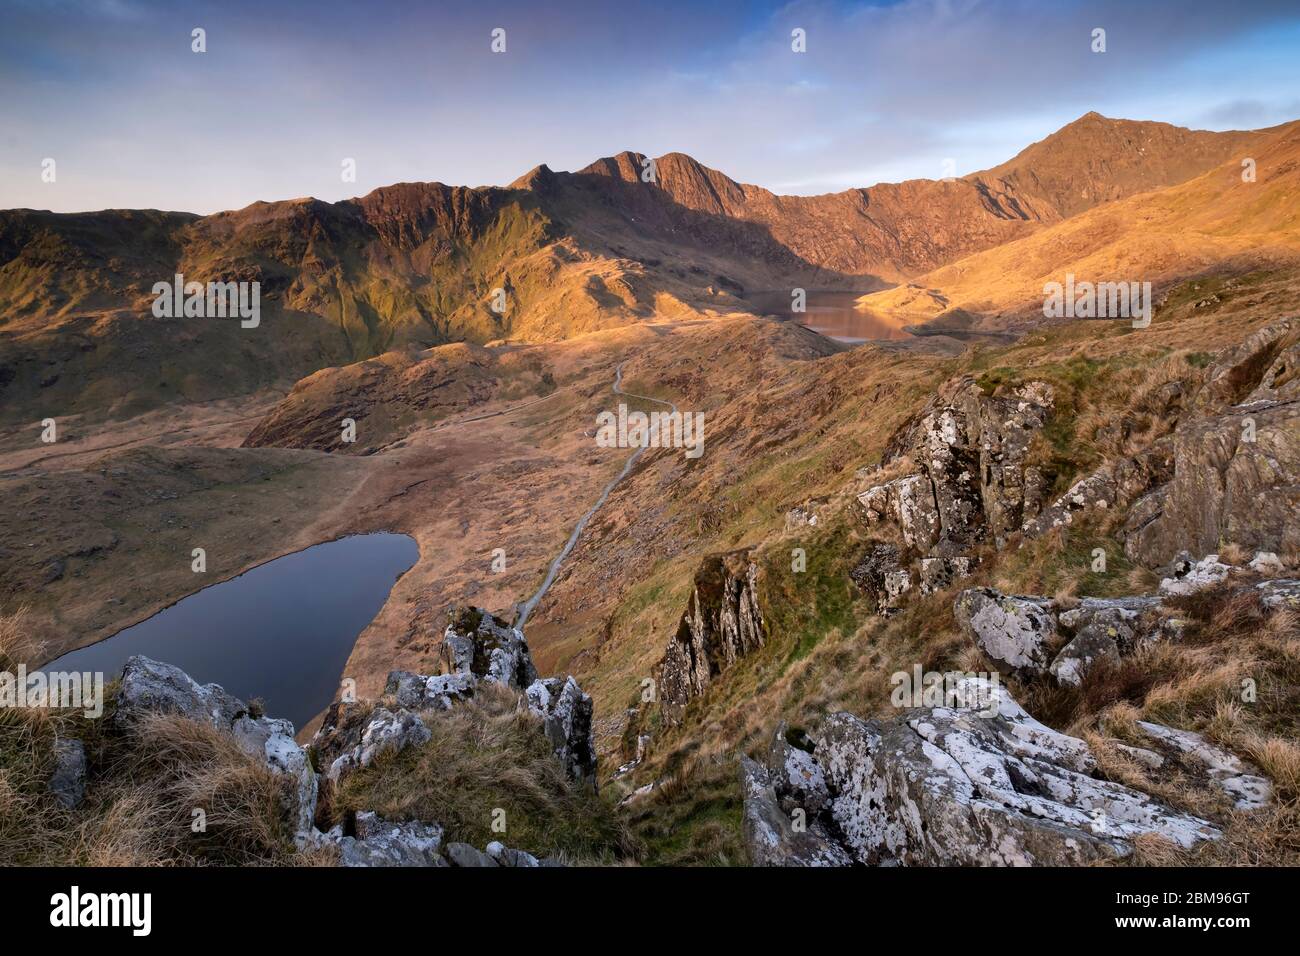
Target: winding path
point(527, 607)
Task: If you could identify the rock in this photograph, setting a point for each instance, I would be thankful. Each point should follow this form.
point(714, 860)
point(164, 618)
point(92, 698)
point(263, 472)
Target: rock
point(566, 714)
point(505, 856)
point(1267, 563)
point(795, 775)
point(149, 686)
point(878, 575)
point(381, 843)
point(1238, 779)
point(479, 644)
point(383, 731)
point(152, 687)
point(462, 854)
point(946, 786)
point(1280, 593)
point(1011, 631)
point(272, 741)
point(1236, 474)
point(939, 573)
point(68, 782)
point(1189, 576)
point(771, 836)
point(1078, 656)
point(722, 623)
point(417, 692)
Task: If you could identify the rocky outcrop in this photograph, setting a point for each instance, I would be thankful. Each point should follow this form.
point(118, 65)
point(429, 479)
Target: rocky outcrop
point(479, 644)
point(151, 687)
point(723, 622)
point(951, 786)
point(1013, 632)
point(972, 483)
point(1105, 629)
point(477, 648)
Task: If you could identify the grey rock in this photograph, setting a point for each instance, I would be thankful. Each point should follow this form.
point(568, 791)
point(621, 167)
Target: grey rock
point(772, 837)
point(1012, 631)
point(505, 856)
point(475, 642)
point(1238, 779)
point(462, 854)
point(380, 843)
point(566, 714)
point(417, 692)
point(384, 731)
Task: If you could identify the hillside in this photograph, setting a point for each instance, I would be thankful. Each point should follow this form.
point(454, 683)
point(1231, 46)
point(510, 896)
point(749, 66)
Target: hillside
point(416, 264)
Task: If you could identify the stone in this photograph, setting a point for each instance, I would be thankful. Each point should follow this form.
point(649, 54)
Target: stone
point(940, 573)
point(1236, 778)
point(772, 837)
point(1267, 563)
point(505, 856)
point(383, 731)
point(722, 622)
point(1189, 576)
point(479, 644)
point(152, 687)
point(566, 714)
point(947, 786)
point(795, 775)
point(380, 843)
point(1074, 661)
point(417, 692)
point(462, 854)
point(1279, 593)
point(68, 782)
point(1011, 631)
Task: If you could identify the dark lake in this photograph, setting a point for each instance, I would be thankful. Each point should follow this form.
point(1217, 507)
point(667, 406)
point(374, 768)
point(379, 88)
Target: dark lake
point(830, 313)
point(281, 631)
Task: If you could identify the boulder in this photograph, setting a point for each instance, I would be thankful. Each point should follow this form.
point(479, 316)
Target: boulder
point(1189, 576)
point(1236, 778)
point(939, 573)
point(505, 856)
point(795, 774)
point(566, 714)
point(462, 854)
point(355, 745)
point(1013, 632)
point(151, 687)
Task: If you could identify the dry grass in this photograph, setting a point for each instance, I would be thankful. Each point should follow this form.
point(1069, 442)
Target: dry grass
point(484, 755)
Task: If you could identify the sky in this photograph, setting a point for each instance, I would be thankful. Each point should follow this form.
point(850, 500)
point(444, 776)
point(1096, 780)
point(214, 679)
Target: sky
point(132, 117)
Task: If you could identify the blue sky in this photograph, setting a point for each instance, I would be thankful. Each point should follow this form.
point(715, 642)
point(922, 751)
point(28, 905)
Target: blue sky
point(111, 90)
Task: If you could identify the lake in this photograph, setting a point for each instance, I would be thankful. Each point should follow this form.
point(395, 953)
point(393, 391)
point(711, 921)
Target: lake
point(281, 631)
point(830, 313)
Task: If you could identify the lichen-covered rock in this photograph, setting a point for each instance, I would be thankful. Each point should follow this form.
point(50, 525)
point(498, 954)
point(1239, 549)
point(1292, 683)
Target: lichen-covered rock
point(1105, 629)
point(358, 745)
point(381, 843)
point(1283, 592)
point(566, 714)
point(1012, 631)
point(1188, 575)
point(772, 836)
point(794, 774)
point(1083, 651)
point(939, 573)
point(878, 575)
point(475, 642)
point(722, 623)
point(418, 692)
point(947, 786)
point(505, 856)
point(151, 687)
point(1236, 778)
point(68, 782)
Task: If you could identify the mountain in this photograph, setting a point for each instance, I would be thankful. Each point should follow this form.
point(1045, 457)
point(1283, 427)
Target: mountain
point(1217, 220)
point(416, 264)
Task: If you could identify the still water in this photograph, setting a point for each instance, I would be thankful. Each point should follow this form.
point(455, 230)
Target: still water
point(281, 631)
point(830, 313)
